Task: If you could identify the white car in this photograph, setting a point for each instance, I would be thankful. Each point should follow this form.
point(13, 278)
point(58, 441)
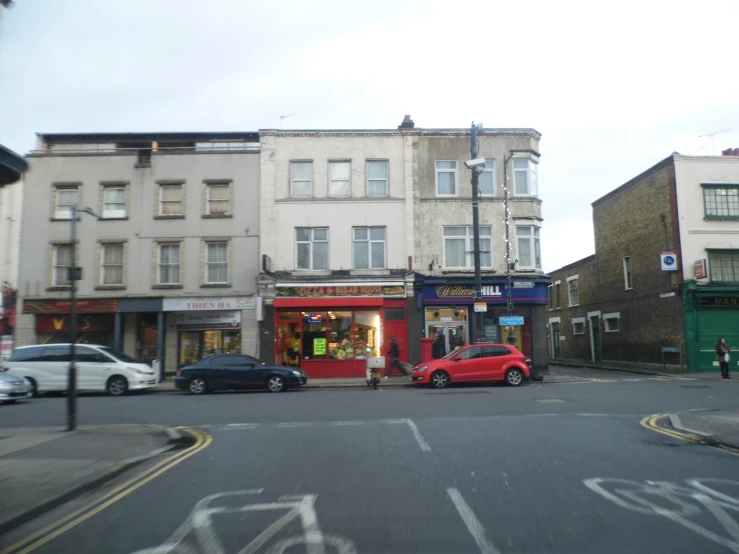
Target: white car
point(99, 368)
point(13, 387)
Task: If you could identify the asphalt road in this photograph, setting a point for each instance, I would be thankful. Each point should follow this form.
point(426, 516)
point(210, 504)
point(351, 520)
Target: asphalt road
point(538, 469)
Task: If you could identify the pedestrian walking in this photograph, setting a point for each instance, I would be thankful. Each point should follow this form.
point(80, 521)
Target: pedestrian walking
point(722, 353)
point(438, 348)
point(394, 353)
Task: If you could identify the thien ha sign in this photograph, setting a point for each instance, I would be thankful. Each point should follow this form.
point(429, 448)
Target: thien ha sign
point(208, 303)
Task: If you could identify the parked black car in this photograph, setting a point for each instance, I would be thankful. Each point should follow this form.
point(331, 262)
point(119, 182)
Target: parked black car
point(237, 371)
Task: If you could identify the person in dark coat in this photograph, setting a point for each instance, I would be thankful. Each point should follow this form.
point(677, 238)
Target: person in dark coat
point(394, 353)
point(722, 353)
point(438, 348)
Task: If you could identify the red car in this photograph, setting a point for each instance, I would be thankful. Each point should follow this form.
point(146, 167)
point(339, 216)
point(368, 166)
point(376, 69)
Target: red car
point(477, 362)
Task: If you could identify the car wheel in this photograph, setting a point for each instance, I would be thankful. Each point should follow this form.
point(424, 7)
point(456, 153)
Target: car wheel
point(275, 383)
point(439, 379)
point(117, 385)
point(34, 387)
point(198, 386)
point(514, 377)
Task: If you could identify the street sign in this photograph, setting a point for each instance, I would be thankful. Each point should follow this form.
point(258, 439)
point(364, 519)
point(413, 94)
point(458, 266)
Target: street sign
point(668, 260)
point(523, 284)
point(481, 306)
point(511, 320)
point(699, 269)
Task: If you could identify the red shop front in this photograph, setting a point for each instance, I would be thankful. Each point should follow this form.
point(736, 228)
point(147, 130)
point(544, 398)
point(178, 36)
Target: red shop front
point(329, 336)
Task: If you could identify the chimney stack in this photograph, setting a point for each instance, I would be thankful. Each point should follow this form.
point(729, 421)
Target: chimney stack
point(407, 123)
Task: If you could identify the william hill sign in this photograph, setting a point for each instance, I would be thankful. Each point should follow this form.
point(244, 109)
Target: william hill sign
point(458, 291)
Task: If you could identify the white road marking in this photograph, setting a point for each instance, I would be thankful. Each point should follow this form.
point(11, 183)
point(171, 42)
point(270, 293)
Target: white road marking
point(470, 520)
point(633, 379)
point(346, 423)
point(593, 415)
point(419, 439)
point(295, 424)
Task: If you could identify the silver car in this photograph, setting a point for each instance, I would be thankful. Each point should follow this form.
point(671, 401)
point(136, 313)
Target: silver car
point(13, 388)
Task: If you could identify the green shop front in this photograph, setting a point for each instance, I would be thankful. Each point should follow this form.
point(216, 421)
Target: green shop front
point(710, 312)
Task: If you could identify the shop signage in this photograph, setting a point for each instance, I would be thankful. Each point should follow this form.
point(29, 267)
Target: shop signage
point(511, 320)
point(481, 306)
point(699, 269)
point(62, 306)
point(523, 284)
point(461, 291)
point(208, 320)
point(208, 303)
point(314, 318)
point(349, 290)
point(319, 347)
point(731, 301)
point(492, 294)
point(668, 260)
point(85, 323)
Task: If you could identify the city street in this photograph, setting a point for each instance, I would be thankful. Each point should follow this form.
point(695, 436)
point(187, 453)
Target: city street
point(543, 468)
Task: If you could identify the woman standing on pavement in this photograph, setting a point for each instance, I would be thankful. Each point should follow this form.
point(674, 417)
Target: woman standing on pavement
point(722, 353)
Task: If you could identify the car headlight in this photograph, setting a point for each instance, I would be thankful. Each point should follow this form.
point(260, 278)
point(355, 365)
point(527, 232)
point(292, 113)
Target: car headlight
point(141, 372)
point(5, 386)
point(297, 374)
point(421, 368)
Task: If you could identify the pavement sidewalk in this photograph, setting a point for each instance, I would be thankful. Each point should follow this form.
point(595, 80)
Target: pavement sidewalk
point(641, 370)
point(719, 426)
point(43, 467)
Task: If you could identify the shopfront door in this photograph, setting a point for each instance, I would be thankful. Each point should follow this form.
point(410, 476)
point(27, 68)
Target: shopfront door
point(455, 334)
point(556, 346)
point(597, 350)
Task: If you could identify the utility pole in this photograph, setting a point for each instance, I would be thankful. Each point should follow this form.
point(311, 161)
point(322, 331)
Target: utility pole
point(479, 317)
point(511, 338)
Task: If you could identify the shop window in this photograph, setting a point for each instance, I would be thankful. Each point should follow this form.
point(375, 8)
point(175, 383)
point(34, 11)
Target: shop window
point(341, 341)
point(315, 339)
point(369, 247)
point(724, 265)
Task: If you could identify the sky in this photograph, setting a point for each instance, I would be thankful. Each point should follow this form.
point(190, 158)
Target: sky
point(614, 87)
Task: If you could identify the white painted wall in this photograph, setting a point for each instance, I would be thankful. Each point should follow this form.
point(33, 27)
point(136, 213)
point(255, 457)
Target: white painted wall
point(11, 203)
point(697, 234)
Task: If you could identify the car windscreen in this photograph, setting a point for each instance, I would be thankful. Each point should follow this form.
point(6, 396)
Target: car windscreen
point(120, 356)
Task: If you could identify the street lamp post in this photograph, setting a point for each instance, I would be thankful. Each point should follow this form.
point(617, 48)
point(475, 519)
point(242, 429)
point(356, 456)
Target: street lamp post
point(511, 338)
point(479, 317)
point(74, 275)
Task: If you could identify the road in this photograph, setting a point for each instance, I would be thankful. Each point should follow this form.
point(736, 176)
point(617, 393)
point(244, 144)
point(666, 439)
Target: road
point(537, 469)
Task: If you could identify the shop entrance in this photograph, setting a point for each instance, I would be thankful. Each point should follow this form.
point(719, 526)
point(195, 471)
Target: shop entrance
point(148, 338)
point(448, 323)
point(196, 345)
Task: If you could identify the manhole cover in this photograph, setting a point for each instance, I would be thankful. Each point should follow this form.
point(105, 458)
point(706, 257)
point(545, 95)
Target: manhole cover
point(695, 387)
point(550, 401)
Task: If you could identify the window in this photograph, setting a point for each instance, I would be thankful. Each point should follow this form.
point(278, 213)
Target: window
point(66, 200)
point(529, 251)
point(446, 178)
point(550, 292)
point(495, 351)
point(525, 177)
point(169, 264)
point(377, 178)
point(112, 264)
point(486, 179)
point(339, 179)
point(471, 353)
point(558, 288)
point(301, 179)
point(170, 200)
point(578, 326)
point(56, 354)
point(611, 322)
point(312, 247)
point(724, 265)
point(27, 354)
point(721, 202)
point(628, 284)
point(369, 247)
point(62, 263)
point(573, 288)
point(216, 262)
point(114, 201)
point(87, 354)
point(458, 247)
point(218, 199)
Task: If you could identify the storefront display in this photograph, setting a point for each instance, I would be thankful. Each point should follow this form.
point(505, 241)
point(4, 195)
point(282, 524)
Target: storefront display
point(203, 334)
point(95, 320)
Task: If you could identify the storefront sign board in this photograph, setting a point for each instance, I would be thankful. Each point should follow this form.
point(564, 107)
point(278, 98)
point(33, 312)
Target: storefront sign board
point(85, 323)
point(511, 320)
point(492, 294)
point(208, 303)
point(334, 290)
point(699, 269)
point(481, 306)
point(209, 320)
point(63, 306)
point(319, 347)
point(719, 301)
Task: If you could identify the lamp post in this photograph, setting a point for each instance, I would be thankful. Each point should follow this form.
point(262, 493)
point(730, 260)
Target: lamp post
point(74, 275)
point(476, 165)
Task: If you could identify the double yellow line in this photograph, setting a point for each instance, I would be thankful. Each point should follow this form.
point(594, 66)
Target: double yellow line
point(653, 424)
point(64, 524)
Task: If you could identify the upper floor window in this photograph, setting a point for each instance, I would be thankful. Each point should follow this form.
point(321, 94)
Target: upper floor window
point(218, 199)
point(111, 264)
point(446, 178)
point(301, 179)
point(311, 245)
point(558, 293)
point(171, 200)
point(628, 283)
point(724, 265)
point(66, 201)
point(525, 177)
point(369, 247)
point(377, 178)
point(573, 288)
point(339, 179)
point(62, 262)
point(721, 201)
point(458, 247)
point(216, 262)
point(529, 250)
point(486, 179)
point(168, 264)
point(114, 201)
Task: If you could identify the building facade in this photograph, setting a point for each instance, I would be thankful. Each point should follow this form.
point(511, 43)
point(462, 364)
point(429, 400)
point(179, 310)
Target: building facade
point(169, 264)
point(366, 236)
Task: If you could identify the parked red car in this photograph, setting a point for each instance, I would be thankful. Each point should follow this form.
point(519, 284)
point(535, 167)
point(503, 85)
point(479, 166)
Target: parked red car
point(476, 362)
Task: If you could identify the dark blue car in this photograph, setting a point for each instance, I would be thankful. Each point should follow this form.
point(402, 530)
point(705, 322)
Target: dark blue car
point(237, 372)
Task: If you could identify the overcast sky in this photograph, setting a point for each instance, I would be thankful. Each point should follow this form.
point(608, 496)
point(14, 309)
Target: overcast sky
point(613, 87)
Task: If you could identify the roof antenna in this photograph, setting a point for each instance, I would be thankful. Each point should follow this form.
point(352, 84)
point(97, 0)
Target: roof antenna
point(711, 135)
point(282, 117)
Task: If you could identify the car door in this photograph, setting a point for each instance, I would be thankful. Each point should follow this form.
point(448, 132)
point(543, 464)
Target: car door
point(54, 364)
point(495, 360)
point(93, 368)
point(241, 372)
point(215, 371)
point(465, 366)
